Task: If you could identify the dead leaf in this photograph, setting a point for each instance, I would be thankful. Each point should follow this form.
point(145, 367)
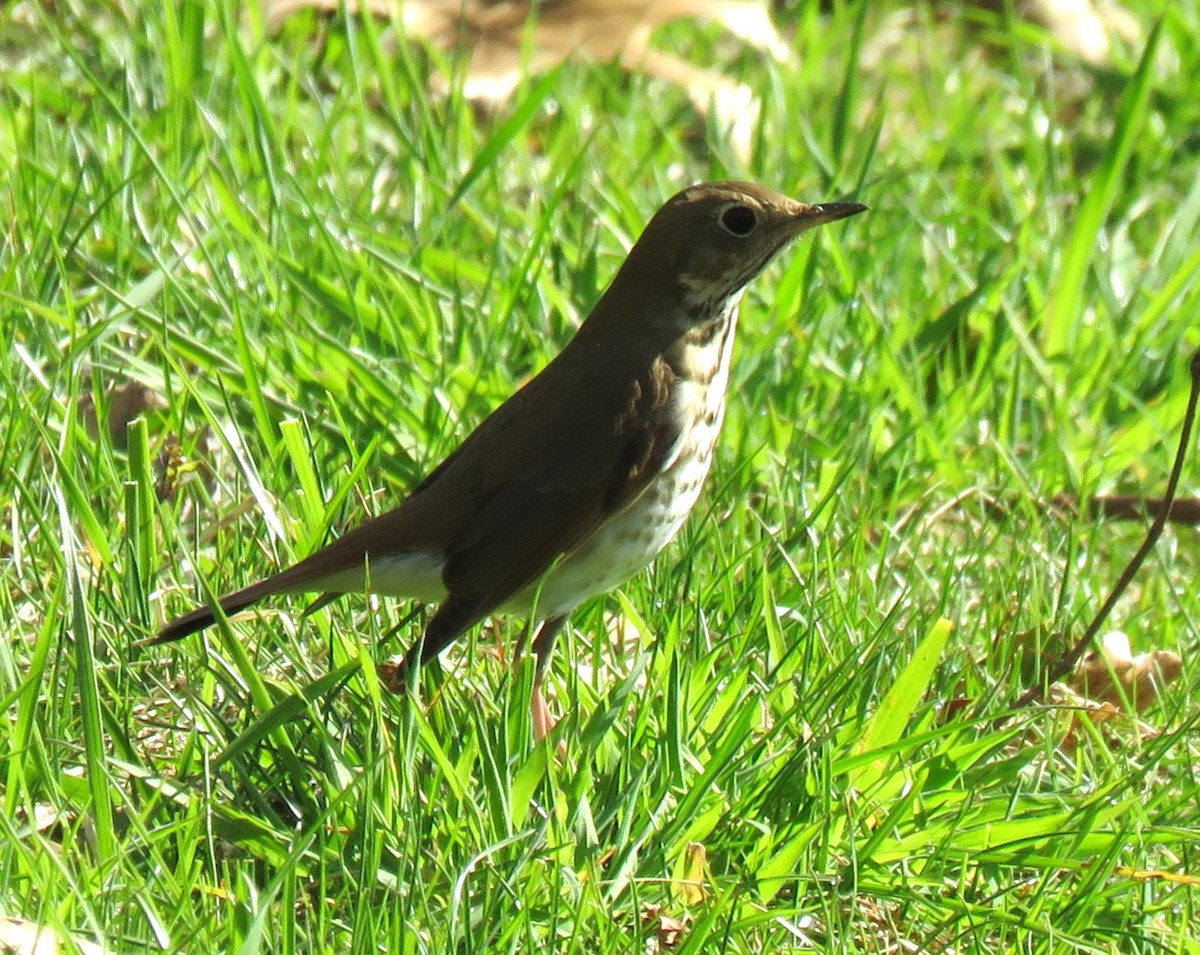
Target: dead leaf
point(668, 930)
point(692, 884)
point(127, 401)
point(506, 41)
point(1084, 27)
point(22, 937)
point(1179, 878)
point(1119, 728)
point(1114, 676)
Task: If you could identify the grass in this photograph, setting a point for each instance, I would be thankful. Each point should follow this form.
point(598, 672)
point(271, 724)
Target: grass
point(790, 733)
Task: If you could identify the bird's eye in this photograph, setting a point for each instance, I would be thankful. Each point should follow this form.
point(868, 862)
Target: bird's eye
point(739, 220)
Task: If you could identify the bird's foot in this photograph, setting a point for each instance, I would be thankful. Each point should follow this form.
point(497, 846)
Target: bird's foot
point(543, 720)
point(393, 676)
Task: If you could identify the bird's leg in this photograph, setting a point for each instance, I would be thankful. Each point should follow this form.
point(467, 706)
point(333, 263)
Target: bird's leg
point(543, 646)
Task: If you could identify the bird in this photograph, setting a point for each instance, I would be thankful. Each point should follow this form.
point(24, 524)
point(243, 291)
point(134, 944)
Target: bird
point(582, 476)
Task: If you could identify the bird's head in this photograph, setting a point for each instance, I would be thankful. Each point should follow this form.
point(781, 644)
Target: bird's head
point(708, 241)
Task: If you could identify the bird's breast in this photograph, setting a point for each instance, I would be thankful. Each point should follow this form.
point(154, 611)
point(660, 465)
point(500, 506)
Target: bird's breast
point(630, 539)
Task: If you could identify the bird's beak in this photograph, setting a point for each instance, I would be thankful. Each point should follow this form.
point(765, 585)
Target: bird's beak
point(808, 217)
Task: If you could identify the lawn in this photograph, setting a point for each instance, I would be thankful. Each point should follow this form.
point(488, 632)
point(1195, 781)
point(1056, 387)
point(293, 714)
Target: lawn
point(254, 285)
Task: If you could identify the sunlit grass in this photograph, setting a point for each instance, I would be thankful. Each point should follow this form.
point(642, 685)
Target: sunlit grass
point(323, 278)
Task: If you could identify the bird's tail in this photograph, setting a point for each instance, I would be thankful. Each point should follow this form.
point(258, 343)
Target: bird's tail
point(203, 617)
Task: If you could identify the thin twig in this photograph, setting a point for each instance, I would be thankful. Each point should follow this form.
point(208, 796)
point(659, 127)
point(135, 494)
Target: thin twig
point(1129, 507)
point(1067, 661)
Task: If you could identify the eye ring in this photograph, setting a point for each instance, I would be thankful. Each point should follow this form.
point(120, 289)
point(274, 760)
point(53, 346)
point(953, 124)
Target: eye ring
point(738, 220)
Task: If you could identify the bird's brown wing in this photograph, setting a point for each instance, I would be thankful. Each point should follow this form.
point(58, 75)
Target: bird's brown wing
point(552, 498)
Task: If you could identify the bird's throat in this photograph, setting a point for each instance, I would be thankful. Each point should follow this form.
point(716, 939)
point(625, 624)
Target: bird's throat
point(702, 354)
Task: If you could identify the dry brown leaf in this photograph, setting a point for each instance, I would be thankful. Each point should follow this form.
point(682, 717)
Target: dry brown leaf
point(127, 401)
point(668, 930)
point(43, 817)
point(508, 40)
point(1087, 28)
point(1179, 878)
point(692, 884)
point(1078, 711)
point(22, 937)
point(1114, 676)
point(1084, 27)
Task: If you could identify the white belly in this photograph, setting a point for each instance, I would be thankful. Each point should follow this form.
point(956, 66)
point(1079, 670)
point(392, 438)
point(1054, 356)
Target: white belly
point(631, 539)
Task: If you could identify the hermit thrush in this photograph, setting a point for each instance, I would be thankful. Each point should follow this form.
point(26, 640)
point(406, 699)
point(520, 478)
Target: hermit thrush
point(580, 478)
